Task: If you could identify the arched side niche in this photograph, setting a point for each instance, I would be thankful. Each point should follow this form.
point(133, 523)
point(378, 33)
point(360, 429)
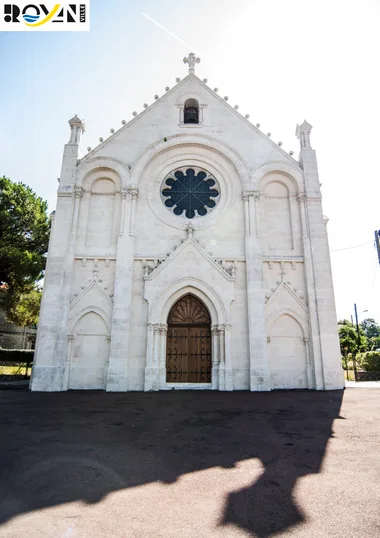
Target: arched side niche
point(287, 353)
point(280, 213)
point(100, 211)
point(89, 353)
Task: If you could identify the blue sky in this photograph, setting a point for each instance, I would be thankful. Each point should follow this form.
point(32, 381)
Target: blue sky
point(281, 61)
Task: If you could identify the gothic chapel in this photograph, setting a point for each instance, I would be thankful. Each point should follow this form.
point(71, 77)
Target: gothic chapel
point(188, 251)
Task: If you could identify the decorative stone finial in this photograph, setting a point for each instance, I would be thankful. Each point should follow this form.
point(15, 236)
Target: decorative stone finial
point(190, 231)
point(191, 60)
point(303, 134)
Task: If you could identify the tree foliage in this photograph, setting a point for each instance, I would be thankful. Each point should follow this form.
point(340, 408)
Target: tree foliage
point(348, 338)
point(23, 308)
point(24, 233)
point(372, 332)
point(24, 237)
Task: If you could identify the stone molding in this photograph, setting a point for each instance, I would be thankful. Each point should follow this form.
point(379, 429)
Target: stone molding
point(159, 328)
point(191, 139)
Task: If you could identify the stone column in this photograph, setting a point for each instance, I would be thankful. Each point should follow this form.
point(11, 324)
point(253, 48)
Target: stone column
point(259, 368)
point(215, 357)
point(247, 224)
point(67, 372)
point(162, 365)
point(153, 357)
point(156, 354)
point(124, 195)
point(228, 358)
point(148, 383)
point(222, 363)
point(309, 366)
point(256, 198)
point(117, 377)
point(134, 194)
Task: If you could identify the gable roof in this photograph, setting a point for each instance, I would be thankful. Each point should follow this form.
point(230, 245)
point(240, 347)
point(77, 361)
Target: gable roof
point(180, 83)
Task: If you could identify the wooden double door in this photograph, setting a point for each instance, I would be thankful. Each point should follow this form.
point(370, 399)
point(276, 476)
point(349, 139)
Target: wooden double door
point(188, 349)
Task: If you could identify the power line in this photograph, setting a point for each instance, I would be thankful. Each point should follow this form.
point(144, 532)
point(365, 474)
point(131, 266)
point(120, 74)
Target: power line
point(349, 248)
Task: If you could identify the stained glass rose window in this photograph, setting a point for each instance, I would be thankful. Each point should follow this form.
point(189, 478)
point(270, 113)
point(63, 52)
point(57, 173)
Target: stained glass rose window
point(190, 192)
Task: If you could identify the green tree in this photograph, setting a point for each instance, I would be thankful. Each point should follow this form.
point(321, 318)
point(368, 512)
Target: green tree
point(349, 346)
point(348, 342)
point(24, 309)
point(372, 333)
point(24, 237)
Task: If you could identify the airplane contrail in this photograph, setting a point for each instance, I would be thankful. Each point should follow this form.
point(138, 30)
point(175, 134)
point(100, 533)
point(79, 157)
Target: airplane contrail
point(168, 31)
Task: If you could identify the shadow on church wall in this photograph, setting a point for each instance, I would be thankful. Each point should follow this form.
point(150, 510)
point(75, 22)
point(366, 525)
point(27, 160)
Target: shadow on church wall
point(65, 447)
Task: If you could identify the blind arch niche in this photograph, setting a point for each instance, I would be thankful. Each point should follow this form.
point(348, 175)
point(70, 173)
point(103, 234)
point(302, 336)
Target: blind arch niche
point(101, 213)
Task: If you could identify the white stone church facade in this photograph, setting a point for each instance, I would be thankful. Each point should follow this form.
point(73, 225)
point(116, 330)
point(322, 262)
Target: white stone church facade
point(188, 250)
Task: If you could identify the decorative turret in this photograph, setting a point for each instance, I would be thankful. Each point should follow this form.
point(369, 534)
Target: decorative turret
point(77, 128)
point(308, 160)
point(70, 154)
point(303, 134)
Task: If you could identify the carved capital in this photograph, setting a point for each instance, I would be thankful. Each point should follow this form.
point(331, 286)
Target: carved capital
point(246, 194)
point(305, 339)
point(108, 338)
point(78, 191)
point(301, 197)
point(70, 337)
point(224, 327)
point(256, 195)
point(214, 329)
point(268, 339)
point(124, 193)
point(133, 192)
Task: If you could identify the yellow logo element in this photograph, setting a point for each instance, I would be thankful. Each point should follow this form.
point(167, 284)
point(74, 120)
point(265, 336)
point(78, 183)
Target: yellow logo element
point(47, 18)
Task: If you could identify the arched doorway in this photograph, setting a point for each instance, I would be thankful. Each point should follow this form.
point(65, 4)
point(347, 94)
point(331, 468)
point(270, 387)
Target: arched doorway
point(188, 349)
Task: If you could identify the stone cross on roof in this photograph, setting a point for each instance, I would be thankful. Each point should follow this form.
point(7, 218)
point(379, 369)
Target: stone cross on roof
point(191, 60)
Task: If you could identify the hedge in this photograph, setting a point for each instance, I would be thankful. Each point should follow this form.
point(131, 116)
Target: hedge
point(369, 361)
point(16, 355)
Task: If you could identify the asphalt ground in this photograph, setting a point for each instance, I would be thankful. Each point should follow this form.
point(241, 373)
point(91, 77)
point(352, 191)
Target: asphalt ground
point(190, 464)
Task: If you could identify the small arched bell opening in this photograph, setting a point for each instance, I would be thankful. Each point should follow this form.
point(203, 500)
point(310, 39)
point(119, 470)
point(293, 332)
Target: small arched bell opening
point(191, 111)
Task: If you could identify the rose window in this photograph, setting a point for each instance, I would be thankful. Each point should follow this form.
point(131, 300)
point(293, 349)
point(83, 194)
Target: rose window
point(190, 192)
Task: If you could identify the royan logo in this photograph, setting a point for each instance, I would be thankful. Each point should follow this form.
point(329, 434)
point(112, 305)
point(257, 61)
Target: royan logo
point(24, 16)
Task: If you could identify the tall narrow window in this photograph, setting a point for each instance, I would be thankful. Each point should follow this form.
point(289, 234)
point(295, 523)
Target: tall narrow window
point(191, 111)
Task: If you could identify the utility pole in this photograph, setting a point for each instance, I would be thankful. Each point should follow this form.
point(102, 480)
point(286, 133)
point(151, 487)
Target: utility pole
point(377, 243)
point(357, 329)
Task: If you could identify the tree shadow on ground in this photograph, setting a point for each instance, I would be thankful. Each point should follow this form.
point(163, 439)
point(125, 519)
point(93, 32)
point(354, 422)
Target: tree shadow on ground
point(64, 447)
